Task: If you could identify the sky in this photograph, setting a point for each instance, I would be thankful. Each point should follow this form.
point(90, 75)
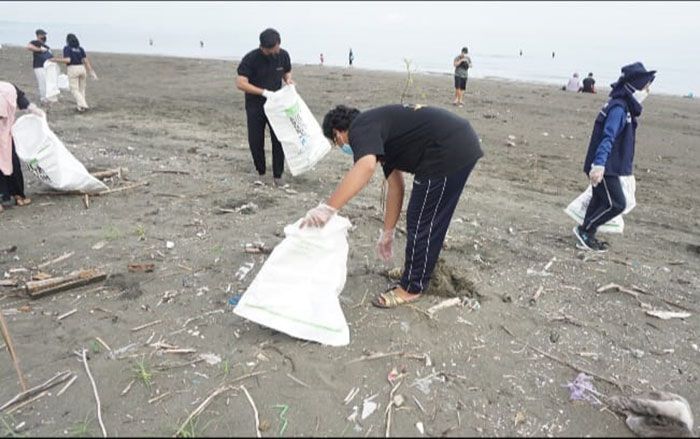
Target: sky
point(659, 33)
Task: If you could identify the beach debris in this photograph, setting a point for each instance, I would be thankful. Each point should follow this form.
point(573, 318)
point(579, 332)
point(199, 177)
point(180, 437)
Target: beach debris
point(67, 314)
point(658, 414)
point(255, 411)
point(351, 395)
point(141, 268)
point(387, 412)
point(233, 301)
point(9, 283)
point(257, 247)
point(41, 276)
point(420, 406)
point(243, 270)
point(398, 400)
point(102, 342)
point(68, 384)
point(352, 417)
point(420, 428)
point(536, 296)
point(667, 315)
point(581, 389)
point(10, 249)
point(423, 384)
point(210, 359)
point(61, 258)
point(247, 208)
point(369, 407)
point(94, 389)
point(99, 245)
point(510, 143)
point(76, 279)
point(123, 350)
point(147, 325)
point(169, 245)
point(635, 291)
point(7, 338)
point(109, 173)
point(544, 271)
point(545, 133)
point(519, 419)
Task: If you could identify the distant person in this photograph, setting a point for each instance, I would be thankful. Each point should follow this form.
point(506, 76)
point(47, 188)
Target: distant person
point(462, 63)
point(150, 41)
point(321, 57)
point(260, 73)
point(40, 53)
point(574, 84)
point(435, 145)
point(201, 44)
point(610, 153)
point(552, 55)
point(588, 84)
point(79, 66)
point(351, 57)
point(11, 178)
point(521, 52)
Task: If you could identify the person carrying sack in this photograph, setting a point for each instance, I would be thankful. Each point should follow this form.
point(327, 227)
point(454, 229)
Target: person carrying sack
point(610, 154)
point(437, 146)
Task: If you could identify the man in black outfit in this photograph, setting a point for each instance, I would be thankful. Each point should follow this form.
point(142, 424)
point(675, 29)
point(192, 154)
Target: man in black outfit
point(260, 73)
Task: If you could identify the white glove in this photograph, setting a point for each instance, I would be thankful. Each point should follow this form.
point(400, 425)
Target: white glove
point(385, 245)
point(318, 216)
point(36, 111)
point(596, 174)
point(267, 94)
point(93, 75)
point(44, 49)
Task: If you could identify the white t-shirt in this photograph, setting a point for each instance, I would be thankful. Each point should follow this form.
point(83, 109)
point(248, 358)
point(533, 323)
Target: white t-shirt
point(573, 85)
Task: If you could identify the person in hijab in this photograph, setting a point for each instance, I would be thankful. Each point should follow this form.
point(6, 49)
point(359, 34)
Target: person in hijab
point(611, 152)
point(11, 179)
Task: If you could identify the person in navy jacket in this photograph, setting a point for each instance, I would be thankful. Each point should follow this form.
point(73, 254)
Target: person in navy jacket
point(611, 152)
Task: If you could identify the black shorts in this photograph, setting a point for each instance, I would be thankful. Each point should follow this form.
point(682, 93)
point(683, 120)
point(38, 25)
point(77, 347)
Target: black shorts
point(460, 83)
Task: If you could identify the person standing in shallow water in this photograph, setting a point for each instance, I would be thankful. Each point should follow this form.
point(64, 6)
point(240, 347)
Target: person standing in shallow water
point(610, 153)
point(437, 146)
point(261, 72)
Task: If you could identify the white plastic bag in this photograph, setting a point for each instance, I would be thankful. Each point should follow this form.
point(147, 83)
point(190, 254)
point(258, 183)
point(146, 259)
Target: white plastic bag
point(63, 82)
point(577, 211)
point(52, 71)
point(297, 289)
point(297, 130)
point(47, 157)
point(629, 188)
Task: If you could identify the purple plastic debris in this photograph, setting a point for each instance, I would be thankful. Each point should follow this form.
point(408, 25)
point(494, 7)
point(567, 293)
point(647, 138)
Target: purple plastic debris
point(582, 389)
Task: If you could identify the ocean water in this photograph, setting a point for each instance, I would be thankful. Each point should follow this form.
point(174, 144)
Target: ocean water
point(678, 64)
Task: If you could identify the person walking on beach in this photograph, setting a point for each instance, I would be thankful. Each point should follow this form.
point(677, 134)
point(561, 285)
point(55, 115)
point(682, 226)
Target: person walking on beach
point(79, 66)
point(437, 146)
point(321, 57)
point(351, 57)
point(588, 84)
point(11, 178)
point(40, 53)
point(260, 73)
point(610, 155)
point(462, 63)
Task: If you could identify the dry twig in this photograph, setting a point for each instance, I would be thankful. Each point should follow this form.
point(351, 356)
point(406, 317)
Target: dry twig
point(97, 397)
point(255, 411)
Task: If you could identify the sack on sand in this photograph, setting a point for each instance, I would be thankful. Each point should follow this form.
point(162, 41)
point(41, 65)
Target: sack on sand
point(47, 157)
point(297, 130)
point(52, 72)
point(297, 289)
point(63, 82)
point(577, 211)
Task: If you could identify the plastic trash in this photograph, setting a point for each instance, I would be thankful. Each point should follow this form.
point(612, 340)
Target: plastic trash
point(47, 157)
point(297, 129)
point(297, 289)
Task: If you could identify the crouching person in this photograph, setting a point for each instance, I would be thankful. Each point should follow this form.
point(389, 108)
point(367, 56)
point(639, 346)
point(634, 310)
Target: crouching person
point(435, 145)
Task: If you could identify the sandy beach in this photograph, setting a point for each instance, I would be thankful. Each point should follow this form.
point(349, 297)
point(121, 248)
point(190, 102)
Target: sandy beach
point(497, 369)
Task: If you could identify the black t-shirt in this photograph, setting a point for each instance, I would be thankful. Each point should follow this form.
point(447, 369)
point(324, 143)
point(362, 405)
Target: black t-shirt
point(588, 84)
point(264, 71)
point(425, 141)
point(38, 58)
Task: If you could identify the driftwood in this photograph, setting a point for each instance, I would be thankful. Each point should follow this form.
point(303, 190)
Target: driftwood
point(61, 258)
point(27, 394)
point(76, 279)
point(170, 171)
point(101, 175)
point(123, 188)
point(97, 397)
point(11, 349)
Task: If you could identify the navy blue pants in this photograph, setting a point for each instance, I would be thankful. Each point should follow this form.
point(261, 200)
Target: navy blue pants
point(11, 185)
point(430, 209)
point(608, 201)
point(256, 141)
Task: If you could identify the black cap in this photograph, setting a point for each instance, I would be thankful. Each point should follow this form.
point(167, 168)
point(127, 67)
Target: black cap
point(637, 75)
point(40, 32)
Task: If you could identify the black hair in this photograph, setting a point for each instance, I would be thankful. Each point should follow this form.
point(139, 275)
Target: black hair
point(590, 74)
point(465, 49)
point(269, 38)
point(72, 40)
point(338, 118)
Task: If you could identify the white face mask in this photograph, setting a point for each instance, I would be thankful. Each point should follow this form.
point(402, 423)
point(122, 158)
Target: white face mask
point(640, 95)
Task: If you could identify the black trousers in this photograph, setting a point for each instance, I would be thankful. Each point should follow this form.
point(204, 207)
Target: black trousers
point(11, 185)
point(608, 201)
point(430, 209)
point(256, 141)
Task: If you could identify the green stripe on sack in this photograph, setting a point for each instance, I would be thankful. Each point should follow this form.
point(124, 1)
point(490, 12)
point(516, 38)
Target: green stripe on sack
point(313, 325)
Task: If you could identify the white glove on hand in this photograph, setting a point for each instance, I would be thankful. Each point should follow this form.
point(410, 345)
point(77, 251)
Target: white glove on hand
point(44, 49)
point(36, 111)
point(318, 216)
point(385, 245)
point(596, 174)
point(267, 94)
point(93, 75)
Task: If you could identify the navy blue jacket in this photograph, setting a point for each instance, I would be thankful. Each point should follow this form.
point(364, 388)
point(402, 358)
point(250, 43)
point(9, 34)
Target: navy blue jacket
point(613, 139)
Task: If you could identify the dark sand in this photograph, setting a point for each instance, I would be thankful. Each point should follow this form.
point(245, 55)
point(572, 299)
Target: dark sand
point(152, 114)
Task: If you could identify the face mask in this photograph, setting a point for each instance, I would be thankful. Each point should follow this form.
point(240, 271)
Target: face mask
point(346, 149)
point(640, 95)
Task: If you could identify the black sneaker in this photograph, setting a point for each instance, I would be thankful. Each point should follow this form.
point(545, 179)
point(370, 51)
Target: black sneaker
point(587, 242)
